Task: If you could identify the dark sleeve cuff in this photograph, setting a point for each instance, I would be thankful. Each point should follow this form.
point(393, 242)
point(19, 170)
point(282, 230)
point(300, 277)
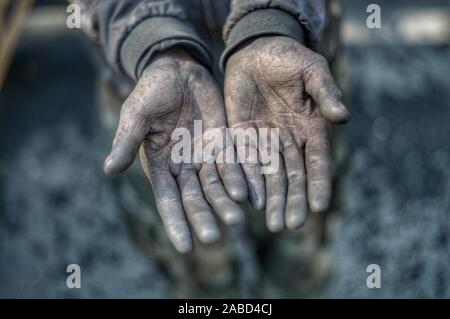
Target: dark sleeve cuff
point(261, 22)
point(157, 34)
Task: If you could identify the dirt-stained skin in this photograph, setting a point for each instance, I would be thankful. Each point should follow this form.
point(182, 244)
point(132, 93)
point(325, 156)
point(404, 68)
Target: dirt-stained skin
point(271, 82)
point(275, 82)
point(174, 91)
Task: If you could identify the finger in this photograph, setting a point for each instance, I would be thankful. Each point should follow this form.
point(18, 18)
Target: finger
point(129, 135)
point(197, 209)
point(319, 83)
point(228, 210)
point(248, 157)
point(169, 205)
point(231, 173)
point(240, 92)
point(223, 155)
point(233, 180)
point(255, 184)
point(296, 207)
point(318, 169)
point(276, 197)
point(211, 106)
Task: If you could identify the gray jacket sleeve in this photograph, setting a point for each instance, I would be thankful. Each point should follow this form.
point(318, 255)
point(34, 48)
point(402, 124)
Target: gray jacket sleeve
point(130, 32)
point(303, 20)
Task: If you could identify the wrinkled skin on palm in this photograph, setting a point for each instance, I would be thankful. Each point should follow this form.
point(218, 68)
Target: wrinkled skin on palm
point(275, 82)
point(271, 82)
point(173, 91)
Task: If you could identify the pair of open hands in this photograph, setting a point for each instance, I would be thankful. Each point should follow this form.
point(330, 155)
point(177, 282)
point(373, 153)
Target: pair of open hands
point(271, 82)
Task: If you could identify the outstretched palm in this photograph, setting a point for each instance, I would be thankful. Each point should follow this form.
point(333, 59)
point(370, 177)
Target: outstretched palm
point(173, 92)
point(275, 82)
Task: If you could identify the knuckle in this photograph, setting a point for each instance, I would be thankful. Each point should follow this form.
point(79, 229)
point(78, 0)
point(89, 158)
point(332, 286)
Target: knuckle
point(192, 196)
point(319, 160)
point(296, 178)
point(212, 182)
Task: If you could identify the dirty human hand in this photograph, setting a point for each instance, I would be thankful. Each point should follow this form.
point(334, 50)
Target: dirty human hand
point(276, 82)
point(173, 91)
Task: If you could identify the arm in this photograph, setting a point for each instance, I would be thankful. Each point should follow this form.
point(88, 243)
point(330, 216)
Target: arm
point(302, 20)
point(131, 32)
point(152, 42)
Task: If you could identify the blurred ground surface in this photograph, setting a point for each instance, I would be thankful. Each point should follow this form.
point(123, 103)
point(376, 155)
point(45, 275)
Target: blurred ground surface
point(56, 207)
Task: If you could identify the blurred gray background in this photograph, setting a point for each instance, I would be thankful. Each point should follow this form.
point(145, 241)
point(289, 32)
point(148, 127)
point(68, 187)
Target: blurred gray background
point(57, 208)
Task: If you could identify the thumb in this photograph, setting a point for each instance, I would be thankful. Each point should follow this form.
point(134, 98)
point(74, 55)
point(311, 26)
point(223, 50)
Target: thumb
point(326, 94)
point(130, 133)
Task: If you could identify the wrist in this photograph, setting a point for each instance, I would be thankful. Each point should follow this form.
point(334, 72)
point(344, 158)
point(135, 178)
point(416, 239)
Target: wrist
point(175, 53)
point(261, 23)
point(174, 59)
point(159, 34)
